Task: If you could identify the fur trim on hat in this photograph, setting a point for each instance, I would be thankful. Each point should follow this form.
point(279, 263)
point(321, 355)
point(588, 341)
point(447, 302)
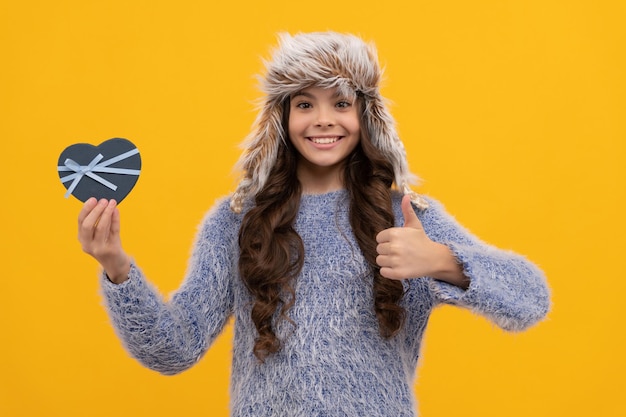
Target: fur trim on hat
point(328, 60)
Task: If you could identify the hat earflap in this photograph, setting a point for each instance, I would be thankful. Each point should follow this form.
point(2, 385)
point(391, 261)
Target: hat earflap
point(381, 126)
point(260, 153)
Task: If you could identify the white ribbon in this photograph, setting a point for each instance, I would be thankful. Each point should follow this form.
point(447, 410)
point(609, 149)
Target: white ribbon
point(90, 169)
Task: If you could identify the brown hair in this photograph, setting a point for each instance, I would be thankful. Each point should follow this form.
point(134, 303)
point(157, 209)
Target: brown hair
point(272, 252)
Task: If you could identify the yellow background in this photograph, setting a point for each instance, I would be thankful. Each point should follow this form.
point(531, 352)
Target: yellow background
point(512, 112)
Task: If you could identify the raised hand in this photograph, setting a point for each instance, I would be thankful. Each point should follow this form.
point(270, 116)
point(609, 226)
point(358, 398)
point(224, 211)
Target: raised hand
point(407, 252)
point(99, 236)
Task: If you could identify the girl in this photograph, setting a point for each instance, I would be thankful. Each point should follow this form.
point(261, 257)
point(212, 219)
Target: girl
point(328, 262)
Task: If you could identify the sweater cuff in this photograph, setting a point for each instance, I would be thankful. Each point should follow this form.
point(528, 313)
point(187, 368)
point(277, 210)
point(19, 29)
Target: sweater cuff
point(134, 272)
point(118, 297)
point(452, 294)
point(504, 287)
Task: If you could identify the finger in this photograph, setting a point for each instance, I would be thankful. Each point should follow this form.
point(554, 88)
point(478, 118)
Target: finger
point(387, 261)
point(87, 225)
point(410, 218)
point(383, 261)
point(87, 207)
point(383, 236)
point(103, 228)
point(383, 248)
point(390, 273)
point(384, 271)
point(115, 221)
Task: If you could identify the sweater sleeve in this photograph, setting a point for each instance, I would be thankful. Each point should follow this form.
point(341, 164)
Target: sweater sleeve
point(171, 336)
point(504, 287)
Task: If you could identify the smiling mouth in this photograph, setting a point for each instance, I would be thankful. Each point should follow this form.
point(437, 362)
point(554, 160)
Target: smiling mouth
point(324, 140)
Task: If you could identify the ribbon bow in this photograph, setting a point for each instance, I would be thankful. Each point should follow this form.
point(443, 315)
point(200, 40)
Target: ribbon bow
point(95, 166)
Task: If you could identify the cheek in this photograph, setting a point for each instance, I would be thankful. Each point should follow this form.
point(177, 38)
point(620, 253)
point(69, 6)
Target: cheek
point(356, 129)
point(352, 124)
point(295, 125)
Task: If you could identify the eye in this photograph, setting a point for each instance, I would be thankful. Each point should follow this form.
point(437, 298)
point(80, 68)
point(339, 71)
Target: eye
point(303, 105)
point(343, 104)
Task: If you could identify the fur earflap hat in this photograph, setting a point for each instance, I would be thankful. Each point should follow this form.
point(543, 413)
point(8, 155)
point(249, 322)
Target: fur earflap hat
point(328, 60)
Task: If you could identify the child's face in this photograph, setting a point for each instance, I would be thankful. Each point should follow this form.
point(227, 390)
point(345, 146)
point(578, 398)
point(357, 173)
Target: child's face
point(323, 127)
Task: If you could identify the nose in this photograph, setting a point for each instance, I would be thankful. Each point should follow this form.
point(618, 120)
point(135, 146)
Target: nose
point(324, 117)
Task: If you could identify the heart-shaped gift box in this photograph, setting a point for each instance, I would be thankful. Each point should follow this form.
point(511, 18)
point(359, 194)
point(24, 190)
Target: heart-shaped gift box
point(109, 170)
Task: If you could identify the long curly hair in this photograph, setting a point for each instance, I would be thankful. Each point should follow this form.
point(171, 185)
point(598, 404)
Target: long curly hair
point(272, 252)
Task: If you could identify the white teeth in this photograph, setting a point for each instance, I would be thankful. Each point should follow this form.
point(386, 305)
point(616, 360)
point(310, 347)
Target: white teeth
point(324, 141)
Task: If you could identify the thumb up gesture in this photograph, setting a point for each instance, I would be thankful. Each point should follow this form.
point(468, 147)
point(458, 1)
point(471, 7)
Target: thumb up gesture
point(407, 252)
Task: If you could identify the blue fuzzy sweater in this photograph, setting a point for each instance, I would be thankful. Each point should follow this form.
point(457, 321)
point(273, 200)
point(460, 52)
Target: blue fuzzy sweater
point(333, 361)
